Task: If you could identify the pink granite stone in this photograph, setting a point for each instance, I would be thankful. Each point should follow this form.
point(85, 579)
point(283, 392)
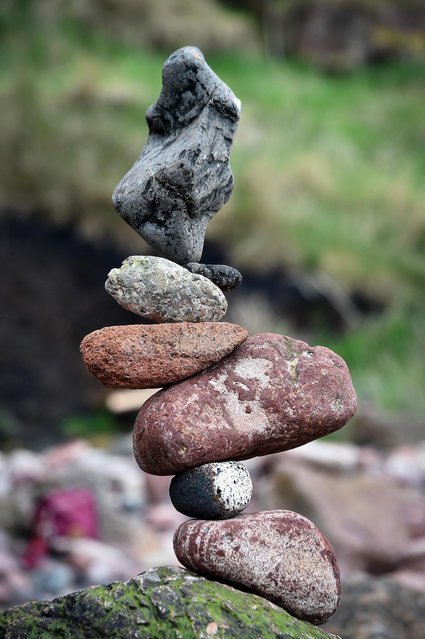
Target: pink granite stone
point(276, 554)
point(271, 394)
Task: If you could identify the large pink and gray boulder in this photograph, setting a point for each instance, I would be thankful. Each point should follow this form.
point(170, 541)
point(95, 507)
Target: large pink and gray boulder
point(271, 394)
point(277, 554)
point(140, 356)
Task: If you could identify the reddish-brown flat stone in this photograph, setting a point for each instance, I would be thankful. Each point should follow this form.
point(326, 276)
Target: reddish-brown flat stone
point(271, 394)
point(277, 554)
point(141, 356)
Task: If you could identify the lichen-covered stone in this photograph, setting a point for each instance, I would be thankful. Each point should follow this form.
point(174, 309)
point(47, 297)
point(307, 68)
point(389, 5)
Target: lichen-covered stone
point(162, 603)
point(271, 394)
point(182, 177)
point(212, 491)
point(277, 554)
point(140, 356)
point(163, 291)
point(223, 276)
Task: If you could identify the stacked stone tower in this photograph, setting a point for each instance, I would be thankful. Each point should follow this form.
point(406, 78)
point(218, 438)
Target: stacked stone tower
point(226, 397)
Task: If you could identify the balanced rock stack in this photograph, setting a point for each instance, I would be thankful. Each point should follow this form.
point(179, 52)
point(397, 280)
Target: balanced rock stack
point(227, 396)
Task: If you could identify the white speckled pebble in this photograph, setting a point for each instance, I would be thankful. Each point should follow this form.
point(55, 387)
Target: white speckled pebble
point(163, 291)
point(212, 491)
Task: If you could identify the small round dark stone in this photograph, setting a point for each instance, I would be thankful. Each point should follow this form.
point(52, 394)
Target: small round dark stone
point(225, 277)
point(219, 490)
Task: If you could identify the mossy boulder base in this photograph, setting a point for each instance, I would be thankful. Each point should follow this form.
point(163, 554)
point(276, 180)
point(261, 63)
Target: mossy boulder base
point(163, 603)
point(271, 394)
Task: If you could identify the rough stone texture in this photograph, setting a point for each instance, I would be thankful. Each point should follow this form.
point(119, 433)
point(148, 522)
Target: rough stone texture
point(278, 554)
point(271, 394)
point(163, 291)
point(161, 603)
point(225, 277)
point(140, 356)
point(379, 609)
point(182, 177)
point(212, 491)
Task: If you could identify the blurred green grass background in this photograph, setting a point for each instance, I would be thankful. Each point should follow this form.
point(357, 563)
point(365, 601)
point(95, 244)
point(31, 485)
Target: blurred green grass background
point(329, 169)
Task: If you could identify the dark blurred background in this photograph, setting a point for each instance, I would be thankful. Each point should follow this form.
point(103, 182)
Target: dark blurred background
point(326, 221)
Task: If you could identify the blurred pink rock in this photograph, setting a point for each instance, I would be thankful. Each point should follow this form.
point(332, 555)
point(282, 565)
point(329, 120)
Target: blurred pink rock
point(164, 517)
point(96, 561)
point(15, 585)
point(157, 487)
point(370, 519)
point(336, 456)
point(407, 464)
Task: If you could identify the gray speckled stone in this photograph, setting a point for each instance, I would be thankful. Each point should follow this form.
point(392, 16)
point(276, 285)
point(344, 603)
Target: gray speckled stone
point(223, 276)
point(182, 177)
point(163, 291)
point(212, 491)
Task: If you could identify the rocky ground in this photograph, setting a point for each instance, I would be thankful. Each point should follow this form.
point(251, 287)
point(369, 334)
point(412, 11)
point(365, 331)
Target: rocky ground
point(370, 504)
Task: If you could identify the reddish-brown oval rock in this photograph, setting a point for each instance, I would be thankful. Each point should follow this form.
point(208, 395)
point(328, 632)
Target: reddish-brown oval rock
point(140, 356)
point(271, 394)
point(277, 554)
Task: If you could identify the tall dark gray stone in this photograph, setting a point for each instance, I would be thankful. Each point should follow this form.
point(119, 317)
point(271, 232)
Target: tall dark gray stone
point(182, 177)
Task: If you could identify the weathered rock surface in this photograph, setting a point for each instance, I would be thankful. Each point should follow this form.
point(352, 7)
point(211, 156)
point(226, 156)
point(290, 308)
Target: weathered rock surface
point(163, 291)
point(140, 356)
point(223, 276)
point(271, 394)
point(212, 491)
point(161, 603)
point(278, 554)
point(374, 608)
point(182, 177)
